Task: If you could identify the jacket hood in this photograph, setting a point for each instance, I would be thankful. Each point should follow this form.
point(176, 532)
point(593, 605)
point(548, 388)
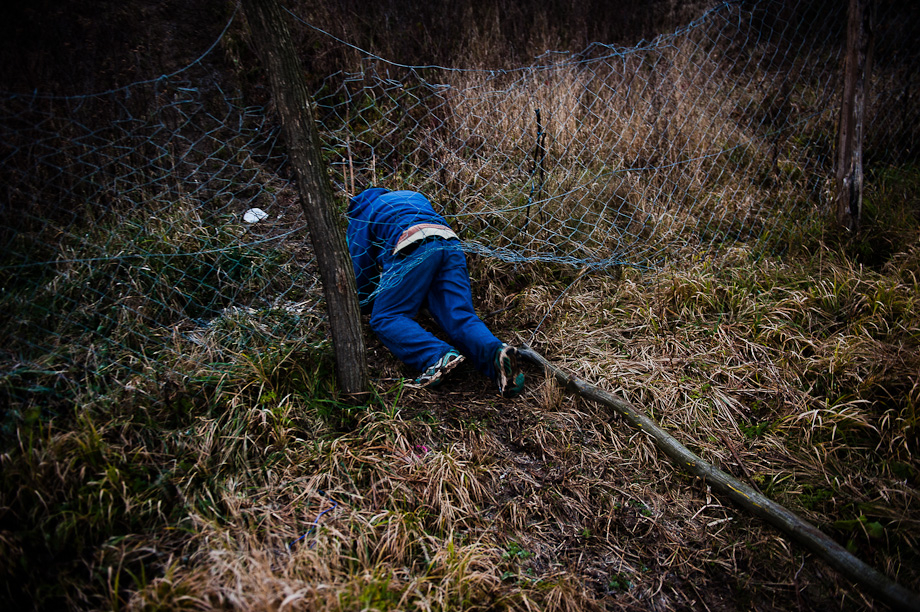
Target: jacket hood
point(363, 199)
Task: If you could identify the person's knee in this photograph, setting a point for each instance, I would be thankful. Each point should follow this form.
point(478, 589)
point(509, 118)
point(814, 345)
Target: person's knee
point(388, 322)
point(380, 320)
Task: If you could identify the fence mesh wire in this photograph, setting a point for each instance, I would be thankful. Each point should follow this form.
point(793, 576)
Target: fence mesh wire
point(128, 221)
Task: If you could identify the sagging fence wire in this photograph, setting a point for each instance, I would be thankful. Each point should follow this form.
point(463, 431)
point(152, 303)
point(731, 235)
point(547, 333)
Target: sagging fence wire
point(122, 211)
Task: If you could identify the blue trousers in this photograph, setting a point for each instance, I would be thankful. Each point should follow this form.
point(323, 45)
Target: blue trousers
point(433, 276)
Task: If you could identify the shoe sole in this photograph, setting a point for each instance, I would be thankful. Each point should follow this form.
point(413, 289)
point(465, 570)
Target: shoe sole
point(441, 373)
point(511, 379)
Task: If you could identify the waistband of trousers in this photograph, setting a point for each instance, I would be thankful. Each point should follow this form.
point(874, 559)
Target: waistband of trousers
point(415, 235)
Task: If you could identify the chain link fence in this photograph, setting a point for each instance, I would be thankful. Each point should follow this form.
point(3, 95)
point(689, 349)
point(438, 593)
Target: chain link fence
point(160, 218)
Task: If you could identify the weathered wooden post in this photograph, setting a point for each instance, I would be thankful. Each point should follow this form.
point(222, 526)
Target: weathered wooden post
point(289, 90)
point(852, 115)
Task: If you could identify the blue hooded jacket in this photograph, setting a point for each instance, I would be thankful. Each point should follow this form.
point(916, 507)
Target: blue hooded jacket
point(376, 219)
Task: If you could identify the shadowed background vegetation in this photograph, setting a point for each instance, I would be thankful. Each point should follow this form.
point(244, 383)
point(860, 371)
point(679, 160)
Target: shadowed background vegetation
point(78, 47)
point(171, 435)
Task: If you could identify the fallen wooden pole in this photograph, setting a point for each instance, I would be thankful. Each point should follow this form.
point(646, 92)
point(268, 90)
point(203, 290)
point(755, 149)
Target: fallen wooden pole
point(799, 530)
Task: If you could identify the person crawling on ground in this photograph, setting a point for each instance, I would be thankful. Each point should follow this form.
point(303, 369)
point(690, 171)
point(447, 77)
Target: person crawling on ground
point(407, 258)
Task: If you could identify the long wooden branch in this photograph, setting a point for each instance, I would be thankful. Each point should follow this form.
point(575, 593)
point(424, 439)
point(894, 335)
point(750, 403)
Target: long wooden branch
point(796, 528)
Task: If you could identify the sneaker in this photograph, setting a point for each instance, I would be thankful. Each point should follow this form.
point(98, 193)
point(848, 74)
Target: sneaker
point(508, 375)
point(435, 373)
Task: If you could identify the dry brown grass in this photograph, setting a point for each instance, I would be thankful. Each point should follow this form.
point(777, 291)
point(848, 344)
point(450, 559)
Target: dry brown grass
point(243, 484)
point(212, 466)
point(778, 382)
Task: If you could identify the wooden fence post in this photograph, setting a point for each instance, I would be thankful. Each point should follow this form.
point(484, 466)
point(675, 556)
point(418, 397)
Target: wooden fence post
point(852, 114)
point(289, 90)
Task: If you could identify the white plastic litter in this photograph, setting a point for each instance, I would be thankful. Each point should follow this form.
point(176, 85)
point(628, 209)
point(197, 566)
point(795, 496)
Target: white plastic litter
point(254, 215)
